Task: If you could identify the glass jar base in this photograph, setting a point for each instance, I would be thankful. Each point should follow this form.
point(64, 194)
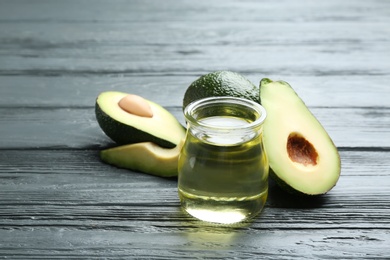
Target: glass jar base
point(229, 210)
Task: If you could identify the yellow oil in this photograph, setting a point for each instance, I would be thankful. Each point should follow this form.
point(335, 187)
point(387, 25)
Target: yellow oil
point(223, 181)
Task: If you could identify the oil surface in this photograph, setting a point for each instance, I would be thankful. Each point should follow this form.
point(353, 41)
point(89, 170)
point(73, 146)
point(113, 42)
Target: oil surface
point(223, 182)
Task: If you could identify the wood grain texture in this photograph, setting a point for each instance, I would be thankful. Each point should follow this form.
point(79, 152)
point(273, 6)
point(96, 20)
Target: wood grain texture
point(141, 11)
point(78, 206)
point(340, 54)
point(168, 90)
point(196, 243)
point(59, 201)
point(316, 40)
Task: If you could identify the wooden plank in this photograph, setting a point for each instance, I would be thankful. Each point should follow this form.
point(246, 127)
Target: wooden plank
point(121, 58)
point(57, 200)
point(168, 90)
point(332, 37)
point(74, 11)
point(355, 45)
point(78, 128)
point(79, 207)
point(199, 242)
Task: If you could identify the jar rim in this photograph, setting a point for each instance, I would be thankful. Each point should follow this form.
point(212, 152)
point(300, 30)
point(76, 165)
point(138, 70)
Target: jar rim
point(225, 100)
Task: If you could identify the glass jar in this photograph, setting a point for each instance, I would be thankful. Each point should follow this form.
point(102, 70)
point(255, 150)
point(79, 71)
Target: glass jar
point(223, 168)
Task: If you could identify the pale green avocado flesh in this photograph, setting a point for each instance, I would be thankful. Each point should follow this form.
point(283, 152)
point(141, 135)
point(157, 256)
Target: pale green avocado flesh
point(125, 128)
point(302, 157)
point(144, 157)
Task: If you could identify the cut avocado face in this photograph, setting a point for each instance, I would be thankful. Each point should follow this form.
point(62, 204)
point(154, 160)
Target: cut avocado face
point(145, 157)
point(221, 83)
point(302, 157)
point(123, 127)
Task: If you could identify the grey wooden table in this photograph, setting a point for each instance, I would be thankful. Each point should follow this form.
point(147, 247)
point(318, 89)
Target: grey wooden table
point(58, 200)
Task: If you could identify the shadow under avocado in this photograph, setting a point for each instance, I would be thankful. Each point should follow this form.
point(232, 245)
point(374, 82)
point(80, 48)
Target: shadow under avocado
point(279, 198)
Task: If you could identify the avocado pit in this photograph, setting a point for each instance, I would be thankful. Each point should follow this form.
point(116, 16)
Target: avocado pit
point(136, 105)
point(300, 150)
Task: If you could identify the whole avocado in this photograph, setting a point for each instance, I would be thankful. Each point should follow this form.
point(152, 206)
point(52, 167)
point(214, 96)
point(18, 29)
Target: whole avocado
point(221, 83)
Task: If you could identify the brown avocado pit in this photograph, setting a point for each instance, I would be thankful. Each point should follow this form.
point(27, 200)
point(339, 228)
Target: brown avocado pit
point(301, 150)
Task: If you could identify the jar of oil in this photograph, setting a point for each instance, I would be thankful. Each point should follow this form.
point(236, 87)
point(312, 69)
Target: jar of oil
point(223, 168)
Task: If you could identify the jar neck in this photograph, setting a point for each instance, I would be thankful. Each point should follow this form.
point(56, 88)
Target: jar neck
point(225, 118)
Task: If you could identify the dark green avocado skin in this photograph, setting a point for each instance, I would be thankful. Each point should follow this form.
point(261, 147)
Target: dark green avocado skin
point(221, 83)
point(124, 134)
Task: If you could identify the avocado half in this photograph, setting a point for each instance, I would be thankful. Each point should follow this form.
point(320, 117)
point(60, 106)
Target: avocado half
point(302, 157)
point(145, 157)
point(124, 128)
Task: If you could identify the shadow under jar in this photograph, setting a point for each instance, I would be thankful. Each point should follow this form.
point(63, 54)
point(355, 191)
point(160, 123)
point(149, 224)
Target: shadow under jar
point(223, 168)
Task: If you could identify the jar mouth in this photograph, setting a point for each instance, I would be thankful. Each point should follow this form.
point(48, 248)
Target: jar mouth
point(252, 112)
